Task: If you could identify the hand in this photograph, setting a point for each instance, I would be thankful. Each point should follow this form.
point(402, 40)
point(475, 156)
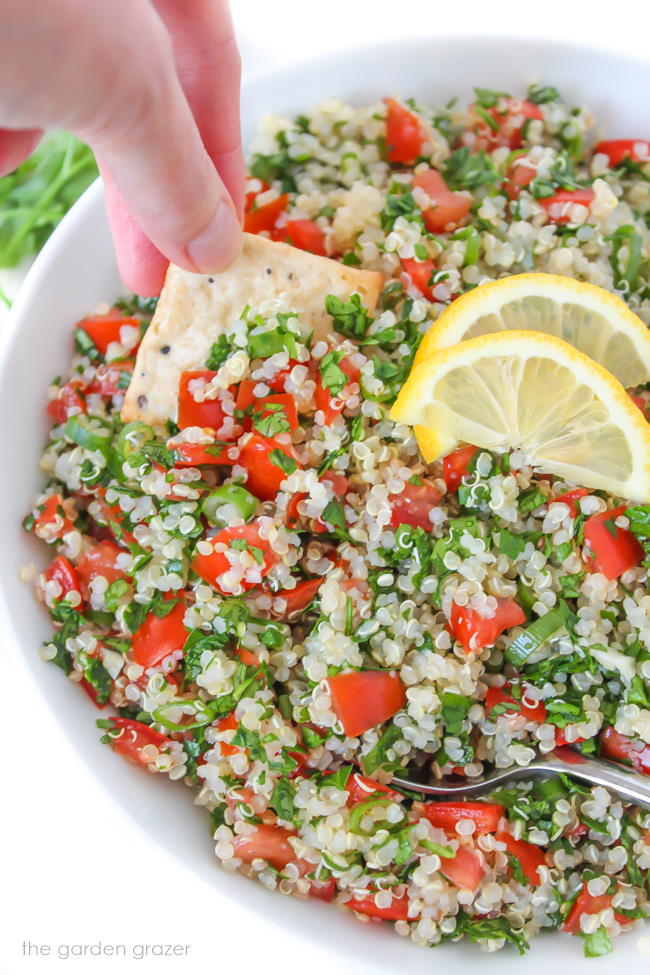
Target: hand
point(153, 87)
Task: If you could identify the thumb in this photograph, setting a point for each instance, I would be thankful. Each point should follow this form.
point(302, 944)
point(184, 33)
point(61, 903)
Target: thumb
point(151, 149)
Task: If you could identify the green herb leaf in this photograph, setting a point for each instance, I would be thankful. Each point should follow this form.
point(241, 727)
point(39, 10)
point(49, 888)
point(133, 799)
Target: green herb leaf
point(538, 633)
point(454, 711)
point(597, 944)
point(283, 461)
point(331, 375)
point(349, 318)
point(219, 352)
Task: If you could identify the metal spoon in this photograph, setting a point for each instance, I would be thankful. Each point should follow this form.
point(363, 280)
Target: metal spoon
point(628, 785)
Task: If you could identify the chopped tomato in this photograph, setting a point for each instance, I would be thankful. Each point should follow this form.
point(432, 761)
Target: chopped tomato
point(62, 571)
point(616, 150)
point(445, 815)
point(455, 466)
point(99, 560)
point(197, 454)
point(331, 405)
point(211, 567)
point(365, 699)
point(323, 890)
point(530, 856)
point(53, 514)
point(519, 176)
point(624, 749)
point(420, 273)
point(245, 395)
point(265, 475)
point(398, 910)
point(571, 499)
point(104, 329)
point(304, 234)
point(114, 518)
point(293, 517)
point(268, 842)
point(209, 413)
point(586, 903)
point(247, 657)
point(414, 504)
point(360, 787)
point(280, 405)
point(559, 206)
point(229, 723)
point(476, 631)
point(339, 482)
point(507, 120)
point(157, 638)
point(403, 134)
point(298, 598)
point(610, 549)
point(447, 208)
point(134, 737)
point(465, 870)
point(252, 194)
point(561, 739)
point(499, 695)
point(67, 402)
point(578, 831)
point(91, 692)
point(277, 382)
point(265, 217)
point(111, 378)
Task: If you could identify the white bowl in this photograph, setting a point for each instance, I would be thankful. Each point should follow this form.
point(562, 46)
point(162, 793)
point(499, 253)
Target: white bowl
point(77, 269)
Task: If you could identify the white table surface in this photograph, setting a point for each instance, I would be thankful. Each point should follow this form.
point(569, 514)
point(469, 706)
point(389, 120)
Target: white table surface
point(58, 891)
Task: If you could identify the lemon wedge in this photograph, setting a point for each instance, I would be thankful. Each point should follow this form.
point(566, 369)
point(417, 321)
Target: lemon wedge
point(587, 317)
point(530, 390)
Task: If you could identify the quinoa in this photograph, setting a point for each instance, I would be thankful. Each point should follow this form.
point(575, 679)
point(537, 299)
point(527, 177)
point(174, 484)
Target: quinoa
point(283, 606)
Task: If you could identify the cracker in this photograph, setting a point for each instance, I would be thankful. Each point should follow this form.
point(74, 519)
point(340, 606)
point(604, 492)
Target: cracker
point(194, 309)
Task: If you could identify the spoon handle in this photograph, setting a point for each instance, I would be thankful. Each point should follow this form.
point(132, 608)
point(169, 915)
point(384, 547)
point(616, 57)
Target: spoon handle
point(627, 784)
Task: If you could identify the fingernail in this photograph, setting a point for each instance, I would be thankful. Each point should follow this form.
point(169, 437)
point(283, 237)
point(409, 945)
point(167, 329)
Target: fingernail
point(216, 247)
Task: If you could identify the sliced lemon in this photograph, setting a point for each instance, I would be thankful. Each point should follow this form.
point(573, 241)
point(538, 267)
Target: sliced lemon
point(589, 318)
point(532, 391)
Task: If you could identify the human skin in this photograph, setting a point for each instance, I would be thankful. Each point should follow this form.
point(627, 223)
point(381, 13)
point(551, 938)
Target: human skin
point(153, 87)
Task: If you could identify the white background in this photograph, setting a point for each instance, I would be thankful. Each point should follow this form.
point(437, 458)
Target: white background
point(73, 868)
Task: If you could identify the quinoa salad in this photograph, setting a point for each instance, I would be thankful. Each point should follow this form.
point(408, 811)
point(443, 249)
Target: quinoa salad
point(275, 600)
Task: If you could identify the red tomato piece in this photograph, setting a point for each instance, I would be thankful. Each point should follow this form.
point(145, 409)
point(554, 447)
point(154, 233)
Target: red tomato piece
point(365, 699)
point(616, 150)
point(499, 695)
point(323, 890)
point(196, 454)
point(404, 134)
point(62, 571)
point(561, 739)
point(641, 403)
point(623, 749)
point(508, 118)
point(445, 815)
point(99, 560)
point(339, 482)
point(558, 207)
point(104, 329)
point(360, 788)
point(211, 567)
point(114, 518)
point(293, 517)
point(134, 737)
point(268, 842)
point(465, 870)
point(245, 395)
point(265, 217)
point(67, 402)
point(304, 234)
point(53, 514)
point(398, 910)
point(519, 176)
point(331, 405)
point(586, 903)
point(111, 378)
point(247, 657)
point(530, 856)
point(157, 638)
point(91, 692)
point(420, 273)
point(229, 723)
point(300, 597)
point(264, 475)
point(578, 831)
point(447, 208)
point(253, 194)
point(476, 631)
point(277, 382)
point(414, 504)
point(209, 413)
point(455, 466)
point(609, 549)
point(264, 407)
point(571, 498)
